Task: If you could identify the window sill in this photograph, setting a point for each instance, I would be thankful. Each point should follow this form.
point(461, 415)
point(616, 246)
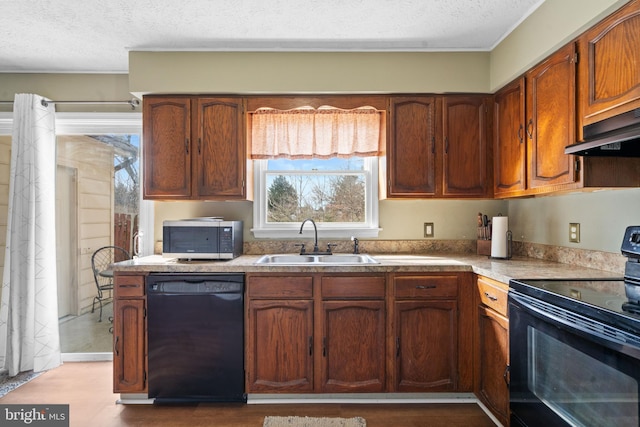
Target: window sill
point(323, 233)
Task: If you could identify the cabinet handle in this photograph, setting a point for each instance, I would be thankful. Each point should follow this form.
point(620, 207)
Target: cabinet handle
point(310, 346)
point(505, 376)
point(324, 346)
point(186, 145)
point(115, 346)
point(199, 146)
point(491, 297)
point(433, 145)
point(446, 145)
point(530, 129)
point(426, 287)
point(397, 346)
point(520, 135)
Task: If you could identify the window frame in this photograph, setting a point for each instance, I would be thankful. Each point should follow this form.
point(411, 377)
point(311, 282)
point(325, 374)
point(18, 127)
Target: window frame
point(370, 227)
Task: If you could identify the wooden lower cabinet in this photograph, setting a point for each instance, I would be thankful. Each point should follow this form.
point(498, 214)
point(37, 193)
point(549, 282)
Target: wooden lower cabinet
point(359, 333)
point(426, 346)
point(279, 334)
point(492, 344)
point(280, 346)
point(129, 335)
point(353, 346)
point(425, 333)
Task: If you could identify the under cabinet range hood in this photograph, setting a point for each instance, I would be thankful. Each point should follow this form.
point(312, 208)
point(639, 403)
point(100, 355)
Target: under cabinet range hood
point(618, 136)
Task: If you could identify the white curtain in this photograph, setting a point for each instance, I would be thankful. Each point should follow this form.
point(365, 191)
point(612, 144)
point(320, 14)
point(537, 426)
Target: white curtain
point(29, 337)
point(321, 133)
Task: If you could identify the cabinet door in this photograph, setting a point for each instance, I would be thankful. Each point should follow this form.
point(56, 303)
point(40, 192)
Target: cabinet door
point(353, 346)
point(167, 147)
point(493, 355)
point(609, 69)
point(411, 152)
point(509, 149)
point(465, 146)
point(551, 120)
point(426, 346)
point(220, 148)
point(280, 346)
point(129, 366)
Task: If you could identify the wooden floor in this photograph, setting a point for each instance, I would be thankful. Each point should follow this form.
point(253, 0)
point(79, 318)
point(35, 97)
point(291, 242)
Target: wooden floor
point(86, 387)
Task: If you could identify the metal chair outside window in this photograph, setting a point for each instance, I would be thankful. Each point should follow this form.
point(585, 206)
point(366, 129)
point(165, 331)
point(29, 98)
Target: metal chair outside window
point(101, 261)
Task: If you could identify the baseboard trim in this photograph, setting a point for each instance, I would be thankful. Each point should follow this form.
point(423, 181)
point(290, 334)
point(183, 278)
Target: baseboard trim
point(87, 357)
point(365, 398)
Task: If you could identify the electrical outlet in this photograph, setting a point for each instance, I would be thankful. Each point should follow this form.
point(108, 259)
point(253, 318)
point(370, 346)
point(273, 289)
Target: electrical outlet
point(428, 229)
point(574, 232)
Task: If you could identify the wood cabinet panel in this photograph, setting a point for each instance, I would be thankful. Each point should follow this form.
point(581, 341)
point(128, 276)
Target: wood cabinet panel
point(465, 125)
point(129, 356)
point(280, 287)
point(509, 146)
point(493, 361)
point(280, 346)
point(129, 286)
point(551, 120)
point(609, 69)
point(349, 287)
point(411, 148)
point(493, 294)
point(194, 148)
point(167, 147)
point(426, 346)
point(431, 286)
point(220, 169)
point(353, 346)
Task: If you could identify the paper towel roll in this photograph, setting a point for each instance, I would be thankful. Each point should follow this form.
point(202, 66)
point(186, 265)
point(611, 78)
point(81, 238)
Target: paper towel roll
point(499, 239)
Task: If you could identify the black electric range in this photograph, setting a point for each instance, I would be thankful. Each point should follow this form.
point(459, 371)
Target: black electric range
point(603, 300)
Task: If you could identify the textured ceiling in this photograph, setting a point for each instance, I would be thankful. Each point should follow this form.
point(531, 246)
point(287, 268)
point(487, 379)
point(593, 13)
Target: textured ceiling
point(96, 35)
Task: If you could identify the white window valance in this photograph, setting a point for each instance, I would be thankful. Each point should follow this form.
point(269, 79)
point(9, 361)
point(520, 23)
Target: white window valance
point(319, 133)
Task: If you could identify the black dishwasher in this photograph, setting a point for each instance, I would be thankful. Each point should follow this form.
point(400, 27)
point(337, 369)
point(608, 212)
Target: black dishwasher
point(195, 328)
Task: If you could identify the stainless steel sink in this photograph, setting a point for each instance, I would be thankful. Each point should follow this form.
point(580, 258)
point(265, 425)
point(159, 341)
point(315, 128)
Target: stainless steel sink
point(316, 260)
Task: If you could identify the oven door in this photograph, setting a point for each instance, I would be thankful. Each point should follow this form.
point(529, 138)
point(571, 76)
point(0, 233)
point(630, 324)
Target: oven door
point(567, 369)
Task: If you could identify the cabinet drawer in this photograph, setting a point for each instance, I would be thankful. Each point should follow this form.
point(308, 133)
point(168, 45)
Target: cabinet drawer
point(353, 287)
point(129, 286)
point(426, 287)
point(493, 294)
point(280, 287)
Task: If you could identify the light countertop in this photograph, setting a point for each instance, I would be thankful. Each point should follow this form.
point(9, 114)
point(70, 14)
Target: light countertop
point(497, 269)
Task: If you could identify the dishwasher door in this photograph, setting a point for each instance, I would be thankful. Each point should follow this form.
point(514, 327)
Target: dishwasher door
point(195, 327)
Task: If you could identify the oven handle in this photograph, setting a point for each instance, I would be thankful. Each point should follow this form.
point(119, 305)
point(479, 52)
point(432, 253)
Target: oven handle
point(593, 330)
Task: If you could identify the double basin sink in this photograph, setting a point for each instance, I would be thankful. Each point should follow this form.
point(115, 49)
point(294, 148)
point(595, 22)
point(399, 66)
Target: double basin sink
point(316, 260)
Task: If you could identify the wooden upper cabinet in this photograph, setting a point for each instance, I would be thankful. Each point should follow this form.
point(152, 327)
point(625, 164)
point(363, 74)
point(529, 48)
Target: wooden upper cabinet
point(609, 69)
point(509, 146)
point(551, 124)
point(167, 147)
point(220, 168)
point(194, 148)
point(464, 124)
point(437, 147)
point(411, 152)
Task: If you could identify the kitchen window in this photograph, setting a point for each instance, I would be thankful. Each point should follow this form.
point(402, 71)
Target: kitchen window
point(316, 163)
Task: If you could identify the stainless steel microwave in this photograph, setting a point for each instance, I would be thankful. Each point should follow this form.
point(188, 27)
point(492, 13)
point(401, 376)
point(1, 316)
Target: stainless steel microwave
point(202, 238)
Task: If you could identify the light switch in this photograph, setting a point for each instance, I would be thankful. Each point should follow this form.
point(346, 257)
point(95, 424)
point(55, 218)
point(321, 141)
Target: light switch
point(574, 232)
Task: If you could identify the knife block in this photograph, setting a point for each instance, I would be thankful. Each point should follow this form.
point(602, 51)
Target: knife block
point(484, 247)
